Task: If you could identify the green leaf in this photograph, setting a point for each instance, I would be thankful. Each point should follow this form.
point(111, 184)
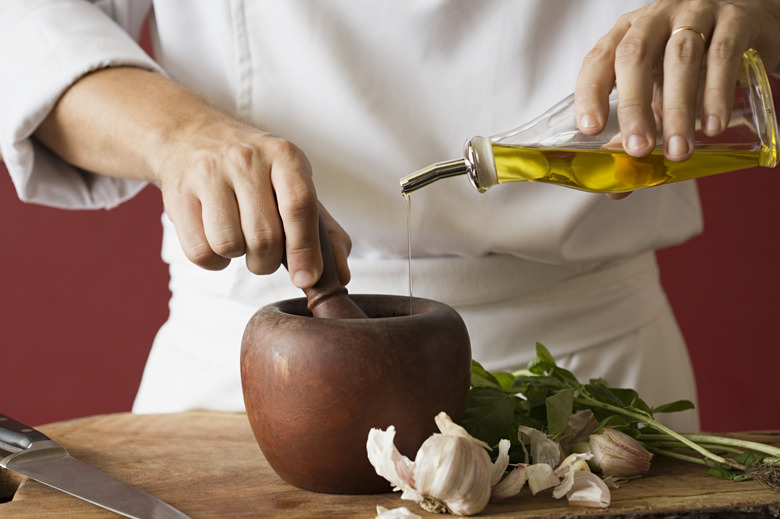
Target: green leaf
point(640, 405)
point(524, 384)
point(613, 420)
point(674, 407)
point(559, 409)
point(721, 473)
point(603, 394)
point(750, 459)
point(480, 377)
point(489, 414)
point(627, 396)
point(543, 362)
point(505, 380)
point(565, 376)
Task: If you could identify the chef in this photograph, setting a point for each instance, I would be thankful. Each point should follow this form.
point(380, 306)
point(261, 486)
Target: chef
point(256, 116)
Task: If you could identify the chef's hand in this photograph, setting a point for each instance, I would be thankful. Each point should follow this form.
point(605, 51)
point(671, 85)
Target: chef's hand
point(666, 43)
point(230, 189)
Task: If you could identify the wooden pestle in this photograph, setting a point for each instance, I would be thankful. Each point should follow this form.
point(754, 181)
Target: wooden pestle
point(328, 298)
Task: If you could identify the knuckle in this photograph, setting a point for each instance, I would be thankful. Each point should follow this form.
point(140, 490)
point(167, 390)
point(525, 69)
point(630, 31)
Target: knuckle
point(628, 106)
point(286, 151)
point(630, 50)
point(202, 164)
point(242, 156)
point(597, 55)
point(301, 206)
point(684, 50)
point(227, 246)
point(201, 254)
point(261, 242)
point(723, 50)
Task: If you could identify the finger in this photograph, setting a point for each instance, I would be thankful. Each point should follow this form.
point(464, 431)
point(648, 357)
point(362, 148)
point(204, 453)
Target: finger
point(260, 223)
point(635, 59)
point(730, 38)
point(596, 80)
point(262, 230)
point(341, 244)
point(298, 208)
point(185, 214)
point(221, 221)
point(682, 67)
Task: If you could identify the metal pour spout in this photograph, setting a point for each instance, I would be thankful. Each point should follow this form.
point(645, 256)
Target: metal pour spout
point(434, 172)
point(478, 165)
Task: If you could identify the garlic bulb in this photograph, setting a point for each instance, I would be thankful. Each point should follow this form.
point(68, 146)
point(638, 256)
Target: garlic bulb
point(451, 472)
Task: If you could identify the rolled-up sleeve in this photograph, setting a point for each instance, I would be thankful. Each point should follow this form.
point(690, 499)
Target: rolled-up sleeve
point(46, 46)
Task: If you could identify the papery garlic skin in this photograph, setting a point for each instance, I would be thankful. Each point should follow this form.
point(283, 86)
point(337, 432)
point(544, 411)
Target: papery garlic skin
point(618, 454)
point(588, 490)
point(501, 463)
point(389, 462)
point(396, 513)
point(511, 485)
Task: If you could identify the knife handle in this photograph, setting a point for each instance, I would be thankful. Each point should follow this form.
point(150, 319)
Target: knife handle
point(17, 435)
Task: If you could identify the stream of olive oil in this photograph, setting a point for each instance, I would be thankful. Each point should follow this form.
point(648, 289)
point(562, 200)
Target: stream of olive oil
point(612, 171)
point(409, 246)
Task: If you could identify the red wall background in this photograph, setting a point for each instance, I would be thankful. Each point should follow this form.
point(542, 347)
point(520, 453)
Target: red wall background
point(83, 293)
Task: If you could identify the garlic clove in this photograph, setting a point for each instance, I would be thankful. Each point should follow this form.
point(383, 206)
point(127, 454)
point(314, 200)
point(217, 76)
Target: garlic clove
point(568, 482)
point(566, 470)
point(578, 461)
point(618, 454)
point(450, 428)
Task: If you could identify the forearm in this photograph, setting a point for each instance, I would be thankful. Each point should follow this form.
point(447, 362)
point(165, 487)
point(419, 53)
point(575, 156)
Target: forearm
point(229, 188)
point(118, 122)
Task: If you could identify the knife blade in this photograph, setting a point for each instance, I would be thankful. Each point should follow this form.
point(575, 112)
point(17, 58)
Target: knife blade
point(31, 453)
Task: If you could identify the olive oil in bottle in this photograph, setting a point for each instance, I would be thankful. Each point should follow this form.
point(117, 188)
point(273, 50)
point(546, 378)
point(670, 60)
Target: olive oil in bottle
point(551, 149)
point(604, 171)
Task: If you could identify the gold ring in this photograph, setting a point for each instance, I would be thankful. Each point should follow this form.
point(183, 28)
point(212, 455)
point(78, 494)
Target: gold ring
point(692, 29)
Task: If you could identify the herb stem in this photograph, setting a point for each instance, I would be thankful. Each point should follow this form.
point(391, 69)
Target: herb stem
point(661, 442)
point(586, 399)
point(724, 441)
point(676, 455)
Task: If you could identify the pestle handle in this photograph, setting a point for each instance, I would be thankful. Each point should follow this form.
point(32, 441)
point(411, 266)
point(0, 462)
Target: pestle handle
point(328, 298)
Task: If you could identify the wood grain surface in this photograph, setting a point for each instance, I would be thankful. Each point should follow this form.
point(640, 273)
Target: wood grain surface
point(209, 466)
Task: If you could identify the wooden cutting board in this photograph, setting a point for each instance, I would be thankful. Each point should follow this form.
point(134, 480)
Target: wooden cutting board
point(209, 466)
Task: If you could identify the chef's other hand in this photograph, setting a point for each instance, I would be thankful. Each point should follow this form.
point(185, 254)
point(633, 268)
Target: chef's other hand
point(230, 189)
point(666, 43)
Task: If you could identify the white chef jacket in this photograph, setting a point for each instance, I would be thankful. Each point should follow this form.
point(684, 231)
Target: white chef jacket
point(371, 91)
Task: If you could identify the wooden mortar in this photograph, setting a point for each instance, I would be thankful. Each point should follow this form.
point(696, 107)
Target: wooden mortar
point(314, 386)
